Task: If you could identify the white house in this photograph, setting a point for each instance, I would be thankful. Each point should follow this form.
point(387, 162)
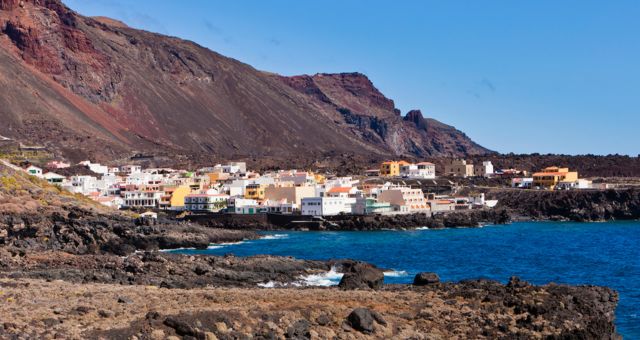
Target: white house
point(54, 178)
point(522, 182)
point(326, 206)
point(239, 205)
point(422, 170)
point(83, 184)
point(34, 171)
point(131, 169)
point(142, 198)
point(484, 170)
point(207, 201)
point(281, 207)
point(344, 192)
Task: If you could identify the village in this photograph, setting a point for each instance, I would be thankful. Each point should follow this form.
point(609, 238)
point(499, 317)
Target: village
point(396, 187)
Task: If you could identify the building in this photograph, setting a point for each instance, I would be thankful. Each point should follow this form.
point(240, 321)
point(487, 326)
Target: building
point(95, 167)
point(57, 165)
point(550, 177)
point(173, 197)
point(372, 173)
point(290, 193)
point(422, 170)
point(406, 198)
point(326, 206)
point(34, 171)
point(243, 206)
point(83, 184)
point(206, 201)
point(298, 178)
point(458, 168)
point(344, 192)
point(391, 168)
point(115, 202)
point(130, 169)
point(142, 198)
point(483, 170)
point(54, 178)
point(442, 205)
point(570, 185)
point(367, 206)
point(522, 182)
point(254, 191)
point(281, 207)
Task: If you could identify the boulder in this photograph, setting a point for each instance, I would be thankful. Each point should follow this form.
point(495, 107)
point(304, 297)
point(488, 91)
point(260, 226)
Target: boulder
point(360, 275)
point(362, 319)
point(299, 330)
point(425, 279)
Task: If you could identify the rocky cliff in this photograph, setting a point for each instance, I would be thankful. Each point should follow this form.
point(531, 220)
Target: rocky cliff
point(93, 87)
point(578, 205)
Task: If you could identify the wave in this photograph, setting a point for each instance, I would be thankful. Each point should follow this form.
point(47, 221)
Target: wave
point(274, 237)
point(396, 273)
point(330, 278)
point(224, 244)
point(422, 228)
point(175, 249)
point(326, 279)
point(270, 284)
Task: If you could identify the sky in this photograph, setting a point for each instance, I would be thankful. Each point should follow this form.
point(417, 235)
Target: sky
point(542, 76)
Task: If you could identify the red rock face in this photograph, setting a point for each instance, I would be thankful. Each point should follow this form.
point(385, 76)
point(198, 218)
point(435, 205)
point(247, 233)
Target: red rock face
point(8, 5)
point(106, 89)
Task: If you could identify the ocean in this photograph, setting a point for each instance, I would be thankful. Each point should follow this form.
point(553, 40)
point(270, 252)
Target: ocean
point(606, 254)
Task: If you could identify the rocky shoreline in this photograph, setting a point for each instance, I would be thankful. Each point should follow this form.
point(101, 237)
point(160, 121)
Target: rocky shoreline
point(71, 269)
point(575, 205)
point(470, 310)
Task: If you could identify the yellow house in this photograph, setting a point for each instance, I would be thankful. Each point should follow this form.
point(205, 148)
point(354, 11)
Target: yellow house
point(319, 178)
point(391, 168)
point(173, 197)
point(549, 177)
point(254, 191)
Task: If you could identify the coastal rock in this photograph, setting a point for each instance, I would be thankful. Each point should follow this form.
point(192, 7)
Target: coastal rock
point(574, 205)
point(359, 275)
point(362, 319)
point(425, 279)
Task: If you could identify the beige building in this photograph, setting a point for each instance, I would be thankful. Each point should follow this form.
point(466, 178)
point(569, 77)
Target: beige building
point(292, 194)
point(458, 168)
point(408, 199)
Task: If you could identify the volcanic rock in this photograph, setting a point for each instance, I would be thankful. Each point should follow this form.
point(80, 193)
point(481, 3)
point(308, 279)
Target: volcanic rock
point(425, 279)
point(360, 275)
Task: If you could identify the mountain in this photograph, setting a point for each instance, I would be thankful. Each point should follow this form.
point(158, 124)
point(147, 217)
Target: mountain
point(93, 87)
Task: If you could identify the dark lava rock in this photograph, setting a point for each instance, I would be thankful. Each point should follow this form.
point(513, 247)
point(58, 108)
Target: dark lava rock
point(516, 282)
point(181, 327)
point(124, 299)
point(105, 313)
point(362, 319)
point(299, 330)
point(361, 275)
point(323, 320)
point(425, 279)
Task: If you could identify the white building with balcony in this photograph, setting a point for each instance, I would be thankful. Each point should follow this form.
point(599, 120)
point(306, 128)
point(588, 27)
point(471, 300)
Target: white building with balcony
point(207, 201)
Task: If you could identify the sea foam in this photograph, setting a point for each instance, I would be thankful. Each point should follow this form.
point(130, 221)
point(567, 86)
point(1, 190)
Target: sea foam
point(274, 237)
point(395, 273)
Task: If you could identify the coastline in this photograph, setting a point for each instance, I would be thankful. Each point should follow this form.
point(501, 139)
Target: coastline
point(73, 243)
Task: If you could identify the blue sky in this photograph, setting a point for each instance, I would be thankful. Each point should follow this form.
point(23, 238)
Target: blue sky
point(516, 76)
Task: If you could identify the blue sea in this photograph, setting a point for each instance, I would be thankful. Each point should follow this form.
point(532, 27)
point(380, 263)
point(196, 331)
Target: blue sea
point(606, 254)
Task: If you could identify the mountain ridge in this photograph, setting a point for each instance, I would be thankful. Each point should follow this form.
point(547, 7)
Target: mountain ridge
point(94, 87)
